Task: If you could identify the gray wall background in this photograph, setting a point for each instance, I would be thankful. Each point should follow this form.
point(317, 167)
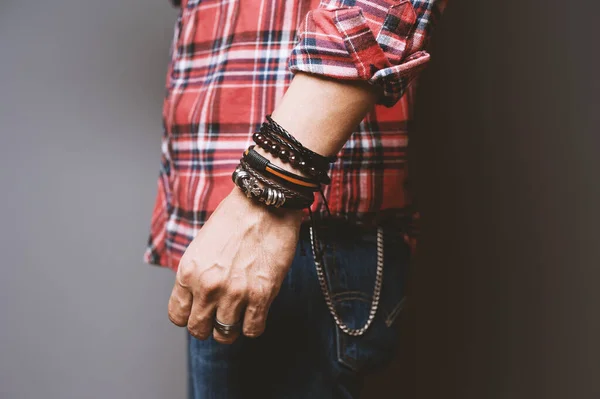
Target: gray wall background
point(81, 85)
point(505, 299)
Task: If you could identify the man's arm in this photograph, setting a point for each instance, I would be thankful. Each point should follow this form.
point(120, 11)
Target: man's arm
point(322, 112)
point(236, 264)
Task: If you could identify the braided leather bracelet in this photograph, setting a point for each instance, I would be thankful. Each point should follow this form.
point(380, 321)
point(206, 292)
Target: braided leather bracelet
point(319, 161)
point(318, 158)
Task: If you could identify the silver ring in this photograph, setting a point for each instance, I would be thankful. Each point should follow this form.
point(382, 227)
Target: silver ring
point(281, 199)
point(227, 329)
point(269, 200)
point(239, 173)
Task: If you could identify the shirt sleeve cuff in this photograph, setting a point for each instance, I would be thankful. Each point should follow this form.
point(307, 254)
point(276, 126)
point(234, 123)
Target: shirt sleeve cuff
point(341, 43)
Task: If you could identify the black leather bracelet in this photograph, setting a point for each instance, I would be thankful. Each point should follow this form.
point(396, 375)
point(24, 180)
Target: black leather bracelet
point(262, 164)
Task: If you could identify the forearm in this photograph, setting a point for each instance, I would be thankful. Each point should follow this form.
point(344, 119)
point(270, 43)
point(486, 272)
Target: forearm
point(322, 113)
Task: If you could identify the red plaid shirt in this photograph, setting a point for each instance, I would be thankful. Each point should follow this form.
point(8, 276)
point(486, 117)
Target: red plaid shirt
point(232, 61)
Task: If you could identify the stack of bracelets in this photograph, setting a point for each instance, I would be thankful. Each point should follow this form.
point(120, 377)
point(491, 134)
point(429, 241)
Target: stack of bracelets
point(271, 185)
point(265, 182)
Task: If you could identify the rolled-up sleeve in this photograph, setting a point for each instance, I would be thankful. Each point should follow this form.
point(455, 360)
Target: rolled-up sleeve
point(380, 41)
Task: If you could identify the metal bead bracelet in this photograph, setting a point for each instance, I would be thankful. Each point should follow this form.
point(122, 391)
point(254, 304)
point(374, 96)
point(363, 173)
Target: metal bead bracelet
point(290, 192)
point(249, 181)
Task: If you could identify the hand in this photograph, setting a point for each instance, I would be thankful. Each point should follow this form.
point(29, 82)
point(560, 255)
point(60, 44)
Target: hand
point(234, 267)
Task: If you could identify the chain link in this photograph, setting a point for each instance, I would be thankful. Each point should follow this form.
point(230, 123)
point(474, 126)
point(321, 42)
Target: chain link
point(376, 290)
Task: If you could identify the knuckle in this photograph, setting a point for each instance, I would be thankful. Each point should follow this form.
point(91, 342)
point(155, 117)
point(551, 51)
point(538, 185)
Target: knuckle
point(199, 331)
point(258, 295)
point(177, 319)
point(199, 323)
point(237, 291)
point(252, 311)
point(256, 316)
point(177, 312)
point(253, 334)
point(209, 284)
point(185, 275)
point(177, 304)
point(254, 330)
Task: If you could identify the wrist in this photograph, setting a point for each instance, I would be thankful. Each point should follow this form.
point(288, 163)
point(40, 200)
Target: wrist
point(251, 207)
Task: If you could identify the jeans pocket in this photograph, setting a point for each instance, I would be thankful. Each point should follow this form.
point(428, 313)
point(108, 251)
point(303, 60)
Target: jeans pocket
point(350, 266)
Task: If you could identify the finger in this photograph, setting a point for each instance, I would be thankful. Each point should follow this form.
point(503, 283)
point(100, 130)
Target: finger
point(229, 311)
point(255, 316)
point(200, 323)
point(180, 304)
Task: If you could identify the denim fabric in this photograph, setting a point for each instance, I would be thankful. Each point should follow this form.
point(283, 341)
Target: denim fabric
point(302, 353)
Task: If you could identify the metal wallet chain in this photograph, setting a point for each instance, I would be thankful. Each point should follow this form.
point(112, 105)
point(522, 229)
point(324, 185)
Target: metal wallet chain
point(355, 332)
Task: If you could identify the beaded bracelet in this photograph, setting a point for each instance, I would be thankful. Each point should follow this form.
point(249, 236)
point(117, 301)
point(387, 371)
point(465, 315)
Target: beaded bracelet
point(316, 158)
point(265, 139)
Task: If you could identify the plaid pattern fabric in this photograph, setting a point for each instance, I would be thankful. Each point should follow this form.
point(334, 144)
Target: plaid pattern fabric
point(378, 41)
point(232, 61)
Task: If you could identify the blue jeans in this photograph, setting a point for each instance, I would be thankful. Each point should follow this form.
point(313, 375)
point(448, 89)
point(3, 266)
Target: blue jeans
point(302, 353)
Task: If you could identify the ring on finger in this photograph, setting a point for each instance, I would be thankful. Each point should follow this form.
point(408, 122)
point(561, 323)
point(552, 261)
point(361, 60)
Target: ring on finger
point(227, 329)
